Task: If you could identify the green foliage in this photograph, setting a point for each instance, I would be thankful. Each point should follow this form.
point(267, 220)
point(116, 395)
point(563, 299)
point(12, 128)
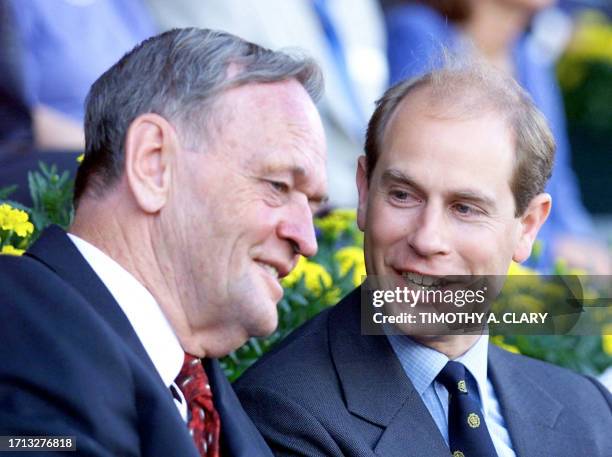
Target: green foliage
point(7, 191)
point(51, 196)
point(583, 354)
point(585, 73)
point(590, 103)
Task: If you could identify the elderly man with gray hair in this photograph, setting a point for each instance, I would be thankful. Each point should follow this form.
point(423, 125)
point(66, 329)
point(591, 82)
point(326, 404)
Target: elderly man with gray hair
point(204, 164)
point(451, 186)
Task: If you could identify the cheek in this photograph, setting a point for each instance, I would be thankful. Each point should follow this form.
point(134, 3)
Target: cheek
point(485, 250)
point(252, 234)
point(477, 246)
point(387, 227)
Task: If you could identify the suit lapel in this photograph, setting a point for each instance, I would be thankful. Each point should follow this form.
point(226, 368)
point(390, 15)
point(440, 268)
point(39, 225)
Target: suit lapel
point(57, 252)
point(529, 411)
point(239, 437)
point(377, 389)
point(412, 432)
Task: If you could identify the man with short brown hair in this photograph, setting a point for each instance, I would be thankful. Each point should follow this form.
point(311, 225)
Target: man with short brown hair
point(452, 185)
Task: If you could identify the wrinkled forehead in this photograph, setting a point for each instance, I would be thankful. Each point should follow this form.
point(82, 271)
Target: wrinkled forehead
point(266, 113)
point(278, 120)
point(286, 96)
point(284, 115)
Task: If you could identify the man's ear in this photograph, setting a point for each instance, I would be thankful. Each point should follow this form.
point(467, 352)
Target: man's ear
point(362, 188)
point(535, 215)
point(150, 144)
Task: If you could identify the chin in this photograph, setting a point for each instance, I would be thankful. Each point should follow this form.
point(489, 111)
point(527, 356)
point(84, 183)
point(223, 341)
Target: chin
point(262, 317)
point(266, 326)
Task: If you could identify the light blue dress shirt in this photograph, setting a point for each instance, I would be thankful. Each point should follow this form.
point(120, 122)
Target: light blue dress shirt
point(422, 364)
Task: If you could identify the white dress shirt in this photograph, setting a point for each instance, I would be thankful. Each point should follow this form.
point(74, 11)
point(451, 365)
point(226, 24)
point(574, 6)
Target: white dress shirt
point(144, 314)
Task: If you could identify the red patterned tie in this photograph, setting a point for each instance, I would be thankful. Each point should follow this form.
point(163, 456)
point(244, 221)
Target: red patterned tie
point(204, 423)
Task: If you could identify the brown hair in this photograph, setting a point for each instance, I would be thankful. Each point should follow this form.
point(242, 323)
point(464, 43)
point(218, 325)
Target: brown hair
point(467, 87)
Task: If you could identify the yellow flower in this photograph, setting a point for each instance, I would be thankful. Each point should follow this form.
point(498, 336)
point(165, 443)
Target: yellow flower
point(336, 221)
point(607, 339)
point(298, 271)
point(80, 158)
point(593, 39)
point(518, 269)
point(498, 340)
point(520, 278)
point(577, 272)
point(351, 257)
point(15, 220)
point(315, 276)
point(11, 250)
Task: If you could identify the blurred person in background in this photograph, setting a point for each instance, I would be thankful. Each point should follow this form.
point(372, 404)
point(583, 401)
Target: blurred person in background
point(346, 37)
point(65, 46)
point(419, 31)
point(15, 121)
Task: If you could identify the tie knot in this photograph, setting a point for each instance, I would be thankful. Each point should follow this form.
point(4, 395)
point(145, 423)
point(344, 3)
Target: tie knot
point(192, 379)
point(453, 376)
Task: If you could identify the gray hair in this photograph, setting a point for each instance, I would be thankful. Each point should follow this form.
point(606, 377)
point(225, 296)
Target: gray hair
point(179, 75)
point(463, 87)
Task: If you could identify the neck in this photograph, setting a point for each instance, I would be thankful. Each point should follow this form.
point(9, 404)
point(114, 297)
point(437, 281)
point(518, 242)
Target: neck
point(494, 26)
point(129, 238)
point(452, 346)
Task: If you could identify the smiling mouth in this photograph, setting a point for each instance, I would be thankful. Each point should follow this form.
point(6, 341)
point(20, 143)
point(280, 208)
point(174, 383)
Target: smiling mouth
point(421, 280)
point(269, 269)
point(424, 280)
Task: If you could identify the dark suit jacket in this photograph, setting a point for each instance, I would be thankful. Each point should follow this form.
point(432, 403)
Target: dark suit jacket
point(329, 391)
point(73, 365)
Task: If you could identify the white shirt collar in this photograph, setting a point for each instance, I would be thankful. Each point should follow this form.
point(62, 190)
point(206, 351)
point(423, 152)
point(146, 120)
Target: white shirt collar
point(141, 309)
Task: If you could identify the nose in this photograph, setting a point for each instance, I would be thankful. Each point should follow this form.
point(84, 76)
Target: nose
point(297, 227)
point(429, 238)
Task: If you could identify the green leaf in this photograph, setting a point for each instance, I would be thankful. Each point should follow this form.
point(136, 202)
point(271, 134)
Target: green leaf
point(6, 191)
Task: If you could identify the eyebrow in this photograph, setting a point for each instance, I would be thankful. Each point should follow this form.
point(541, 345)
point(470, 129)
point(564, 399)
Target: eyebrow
point(395, 176)
point(475, 197)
